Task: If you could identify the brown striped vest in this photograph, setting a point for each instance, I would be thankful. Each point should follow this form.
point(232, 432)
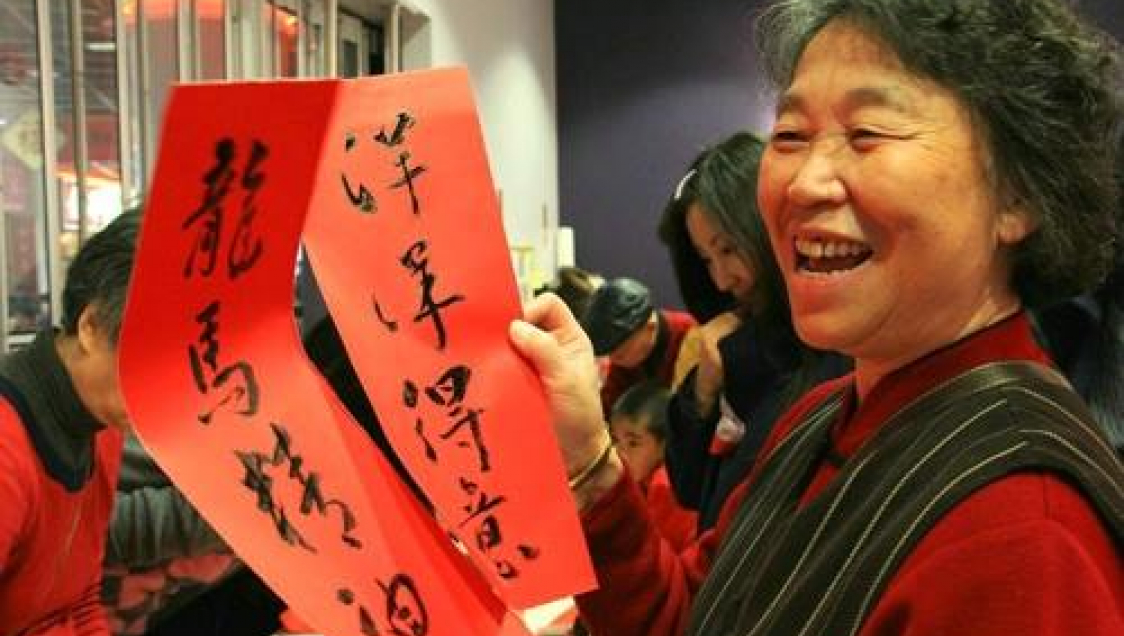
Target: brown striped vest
point(818, 570)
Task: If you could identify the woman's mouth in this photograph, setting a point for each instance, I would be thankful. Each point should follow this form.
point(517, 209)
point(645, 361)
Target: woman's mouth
point(830, 256)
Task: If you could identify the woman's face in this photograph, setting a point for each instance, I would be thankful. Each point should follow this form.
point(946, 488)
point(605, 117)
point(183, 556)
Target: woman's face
point(874, 190)
point(726, 265)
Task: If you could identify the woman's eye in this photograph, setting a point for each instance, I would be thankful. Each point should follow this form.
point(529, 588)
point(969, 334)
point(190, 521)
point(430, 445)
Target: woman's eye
point(787, 139)
point(865, 137)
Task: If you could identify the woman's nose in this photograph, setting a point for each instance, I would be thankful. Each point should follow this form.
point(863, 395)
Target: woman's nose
point(721, 277)
point(817, 179)
point(724, 280)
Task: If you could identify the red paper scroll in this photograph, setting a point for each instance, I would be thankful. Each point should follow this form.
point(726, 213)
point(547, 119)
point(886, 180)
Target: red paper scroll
point(222, 394)
point(406, 241)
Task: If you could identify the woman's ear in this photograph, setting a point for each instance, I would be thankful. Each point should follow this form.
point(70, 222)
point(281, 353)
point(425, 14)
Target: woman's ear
point(88, 331)
point(1014, 225)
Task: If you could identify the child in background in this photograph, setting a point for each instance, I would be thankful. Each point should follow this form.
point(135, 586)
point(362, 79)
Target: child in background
point(638, 423)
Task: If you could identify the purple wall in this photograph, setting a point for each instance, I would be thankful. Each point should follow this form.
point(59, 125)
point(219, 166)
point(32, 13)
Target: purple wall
point(642, 86)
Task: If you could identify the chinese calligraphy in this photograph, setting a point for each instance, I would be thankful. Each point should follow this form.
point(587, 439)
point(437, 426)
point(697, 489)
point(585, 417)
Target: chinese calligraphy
point(207, 219)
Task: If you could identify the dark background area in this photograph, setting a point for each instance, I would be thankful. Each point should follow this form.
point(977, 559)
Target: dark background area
point(643, 86)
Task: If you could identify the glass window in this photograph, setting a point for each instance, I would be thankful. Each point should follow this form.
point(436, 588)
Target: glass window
point(283, 48)
point(100, 117)
point(159, 66)
point(211, 45)
point(22, 174)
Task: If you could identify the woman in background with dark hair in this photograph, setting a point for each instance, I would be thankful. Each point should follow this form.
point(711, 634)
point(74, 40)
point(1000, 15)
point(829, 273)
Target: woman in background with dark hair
point(1085, 334)
point(751, 365)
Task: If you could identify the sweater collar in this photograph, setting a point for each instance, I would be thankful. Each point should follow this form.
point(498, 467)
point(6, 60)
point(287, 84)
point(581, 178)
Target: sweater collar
point(1008, 339)
point(60, 426)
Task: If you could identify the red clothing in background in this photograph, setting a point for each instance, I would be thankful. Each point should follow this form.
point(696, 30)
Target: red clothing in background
point(674, 522)
point(52, 541)
point(1026, 554)
point(660, 364)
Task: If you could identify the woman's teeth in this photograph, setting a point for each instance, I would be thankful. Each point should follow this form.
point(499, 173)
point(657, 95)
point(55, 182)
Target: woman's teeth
point(830, 256)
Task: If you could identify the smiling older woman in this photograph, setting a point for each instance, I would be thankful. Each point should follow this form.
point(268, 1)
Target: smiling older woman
point(935, 169)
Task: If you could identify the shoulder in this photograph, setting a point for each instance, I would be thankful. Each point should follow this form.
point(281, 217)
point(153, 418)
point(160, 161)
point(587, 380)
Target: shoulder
point(20, 472)
point(17, 455)
point(678, 321)
point(1034, 502)
point(1030, 548)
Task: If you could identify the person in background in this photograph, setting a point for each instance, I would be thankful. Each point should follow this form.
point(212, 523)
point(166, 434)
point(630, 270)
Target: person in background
point(935, 169)
point(60, 448)
point(167, 572)
point(1085, 335)
point(575, 286)
point(749, 365)
point(160, 552)
point(641, 342)
point(638, 425)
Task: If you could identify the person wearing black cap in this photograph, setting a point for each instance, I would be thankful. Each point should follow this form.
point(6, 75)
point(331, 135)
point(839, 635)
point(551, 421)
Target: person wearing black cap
point(640, 341)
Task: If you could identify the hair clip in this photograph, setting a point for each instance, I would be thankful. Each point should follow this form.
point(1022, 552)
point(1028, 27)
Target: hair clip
point(683, 183)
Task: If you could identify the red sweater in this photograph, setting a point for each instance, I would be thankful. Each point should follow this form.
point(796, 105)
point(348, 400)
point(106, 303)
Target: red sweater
point(1024, 555)
point(674, 522)
point(52, 541)
point(660, 364)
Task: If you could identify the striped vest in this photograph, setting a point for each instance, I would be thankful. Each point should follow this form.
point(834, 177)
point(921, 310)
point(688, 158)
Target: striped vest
point(818, 570)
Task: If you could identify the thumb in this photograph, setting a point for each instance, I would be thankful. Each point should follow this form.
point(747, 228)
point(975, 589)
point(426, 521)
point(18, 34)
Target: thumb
point(534, 344)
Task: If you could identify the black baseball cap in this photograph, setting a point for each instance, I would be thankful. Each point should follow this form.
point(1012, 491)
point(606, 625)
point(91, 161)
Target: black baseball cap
point(618, 309)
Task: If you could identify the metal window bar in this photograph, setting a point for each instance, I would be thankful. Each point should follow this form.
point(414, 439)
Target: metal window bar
point(145, 114)
point(331, 37)
point(50, 168)
point(124, 108)
point(79, 142)
point(184, 67)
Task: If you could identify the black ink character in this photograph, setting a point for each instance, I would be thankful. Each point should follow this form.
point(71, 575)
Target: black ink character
point(449, 392)
point(210, 212)
point(390, 324)
point(245, 248)
point(430, 451)
point(257, 480)
point(311, 494)
point(417, 262)
point(407, 180)
point(480, 502)
point(367, 625)
point(471, 420)
point(234, 386)
point(488, 534)
point(507, 570)
point(361, 198)
point(404, 122)
point(396, 138)
point(405, 611)
point(451, 387)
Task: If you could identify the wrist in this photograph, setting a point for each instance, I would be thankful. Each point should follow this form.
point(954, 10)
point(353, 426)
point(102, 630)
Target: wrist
point(586, 469)
point(600, 482)
point(706, 397)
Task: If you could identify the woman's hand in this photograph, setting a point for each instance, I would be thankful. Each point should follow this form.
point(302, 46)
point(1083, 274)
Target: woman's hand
point(709, 379)
point(560, 351)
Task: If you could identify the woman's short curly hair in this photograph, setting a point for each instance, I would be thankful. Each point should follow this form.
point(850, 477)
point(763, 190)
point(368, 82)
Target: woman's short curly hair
point(1042, 89)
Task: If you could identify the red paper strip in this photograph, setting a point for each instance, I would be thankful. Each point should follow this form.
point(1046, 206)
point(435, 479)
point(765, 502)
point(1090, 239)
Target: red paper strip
point(221, 393)
point(407, 243)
